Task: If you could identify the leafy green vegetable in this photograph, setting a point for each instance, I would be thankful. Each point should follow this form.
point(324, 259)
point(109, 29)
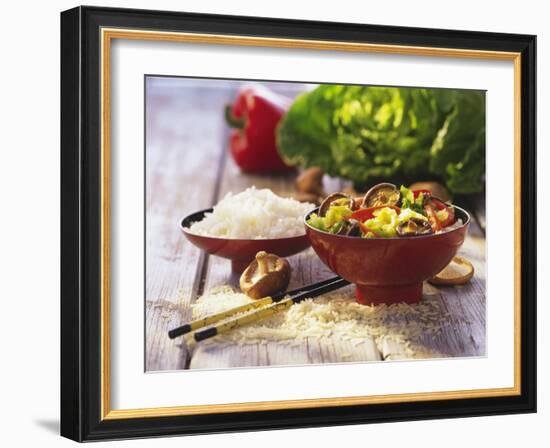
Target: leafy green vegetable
point(384, 223)
point(407, 197)
point(366, 133)
point(333, 220)
point(408, 200)
point(406, 214)
point(335, 214)
point(317, 221)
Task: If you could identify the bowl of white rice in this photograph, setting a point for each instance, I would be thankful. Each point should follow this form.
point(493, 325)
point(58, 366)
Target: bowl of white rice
point(243, 224)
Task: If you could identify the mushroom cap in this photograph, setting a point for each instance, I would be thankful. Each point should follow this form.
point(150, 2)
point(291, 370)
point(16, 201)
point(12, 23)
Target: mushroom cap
point(311, 181)
point(414, 227)
point(382, 194)
point(325, 205)
point(265, 276)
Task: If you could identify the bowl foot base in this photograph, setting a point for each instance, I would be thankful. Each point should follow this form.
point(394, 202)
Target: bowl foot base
point(376, 295)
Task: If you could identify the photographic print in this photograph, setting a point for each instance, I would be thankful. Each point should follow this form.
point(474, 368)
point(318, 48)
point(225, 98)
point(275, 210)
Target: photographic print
point(297, 223)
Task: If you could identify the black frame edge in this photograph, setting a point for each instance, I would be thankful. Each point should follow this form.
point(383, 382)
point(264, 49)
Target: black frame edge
point(312, 29)
point(80, 231)
point(529, 223)
point(71, 384)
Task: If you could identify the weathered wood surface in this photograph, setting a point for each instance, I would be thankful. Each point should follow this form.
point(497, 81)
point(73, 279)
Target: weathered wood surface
point(187, 170)
point(183, 150)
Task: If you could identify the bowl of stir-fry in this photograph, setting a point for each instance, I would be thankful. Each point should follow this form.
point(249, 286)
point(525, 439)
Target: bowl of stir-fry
point(387, 242)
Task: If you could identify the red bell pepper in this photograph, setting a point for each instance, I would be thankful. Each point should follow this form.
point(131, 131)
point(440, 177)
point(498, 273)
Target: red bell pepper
point(450, 212)
point(432, 206)
point(254, 117)
point(432, 217)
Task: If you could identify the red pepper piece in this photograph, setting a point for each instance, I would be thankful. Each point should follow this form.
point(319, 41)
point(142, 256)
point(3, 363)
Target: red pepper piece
point(450, 212)
point(432, 216)
point(254, 117)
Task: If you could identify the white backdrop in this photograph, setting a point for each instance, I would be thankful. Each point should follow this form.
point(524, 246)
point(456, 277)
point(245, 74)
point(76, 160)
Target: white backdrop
point(29, 233)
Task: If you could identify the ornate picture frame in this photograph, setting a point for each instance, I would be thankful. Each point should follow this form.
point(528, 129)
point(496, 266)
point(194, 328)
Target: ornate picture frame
point(87, 34)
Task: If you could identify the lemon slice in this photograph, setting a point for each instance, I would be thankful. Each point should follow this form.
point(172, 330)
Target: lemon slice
point(458, 272)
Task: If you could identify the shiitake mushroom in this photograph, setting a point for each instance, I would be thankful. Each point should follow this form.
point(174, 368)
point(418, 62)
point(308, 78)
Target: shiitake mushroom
point(414, 227)
point(350, 227)
point(343, 199)
point(382, 194)
point(311, 181)
point(266, 275)
point(354, 228)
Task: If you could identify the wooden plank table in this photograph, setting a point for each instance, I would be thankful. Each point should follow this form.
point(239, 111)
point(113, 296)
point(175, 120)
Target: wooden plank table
point(188, 169)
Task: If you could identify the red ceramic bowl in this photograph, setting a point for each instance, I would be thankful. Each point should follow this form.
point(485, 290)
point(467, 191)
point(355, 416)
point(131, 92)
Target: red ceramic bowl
point(388, 270)
point(241, 251)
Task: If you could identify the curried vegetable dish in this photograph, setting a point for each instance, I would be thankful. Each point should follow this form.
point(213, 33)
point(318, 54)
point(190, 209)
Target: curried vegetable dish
point(385, 212)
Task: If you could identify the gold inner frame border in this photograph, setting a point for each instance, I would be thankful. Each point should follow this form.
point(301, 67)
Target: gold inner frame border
point(107, 35)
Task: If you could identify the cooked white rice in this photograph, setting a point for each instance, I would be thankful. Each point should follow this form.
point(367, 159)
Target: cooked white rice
point(254, 214)
point(335, 315)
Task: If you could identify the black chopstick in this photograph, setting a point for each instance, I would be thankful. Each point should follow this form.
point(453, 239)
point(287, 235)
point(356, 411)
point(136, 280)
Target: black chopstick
point(209, 320)
point(267, 311)
point(282, 295)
